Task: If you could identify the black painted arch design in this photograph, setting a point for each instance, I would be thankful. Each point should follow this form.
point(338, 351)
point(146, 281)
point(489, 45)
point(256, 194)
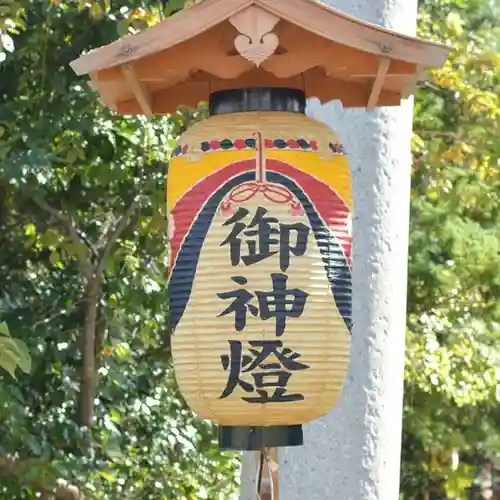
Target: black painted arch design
point(334, 260)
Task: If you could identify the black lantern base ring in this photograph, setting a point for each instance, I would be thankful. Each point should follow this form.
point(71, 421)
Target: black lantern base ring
point(259, 438)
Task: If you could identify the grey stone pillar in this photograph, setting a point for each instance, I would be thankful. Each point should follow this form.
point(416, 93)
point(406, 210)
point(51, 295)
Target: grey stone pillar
point(354, 452)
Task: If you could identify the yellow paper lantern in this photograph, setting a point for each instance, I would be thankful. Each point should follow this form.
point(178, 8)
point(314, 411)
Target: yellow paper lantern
point(260, 285)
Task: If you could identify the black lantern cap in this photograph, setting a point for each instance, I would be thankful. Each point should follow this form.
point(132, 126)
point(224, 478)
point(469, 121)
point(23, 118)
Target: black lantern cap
point(258, 438)
point(257, 99)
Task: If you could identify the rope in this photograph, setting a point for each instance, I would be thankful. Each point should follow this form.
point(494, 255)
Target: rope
point(260, 473)
point(272, 471)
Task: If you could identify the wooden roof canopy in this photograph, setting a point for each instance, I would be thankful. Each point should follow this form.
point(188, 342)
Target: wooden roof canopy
point(225, 44)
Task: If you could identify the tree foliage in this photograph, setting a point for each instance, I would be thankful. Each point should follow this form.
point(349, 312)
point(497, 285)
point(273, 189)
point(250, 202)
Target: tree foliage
point(454, 313)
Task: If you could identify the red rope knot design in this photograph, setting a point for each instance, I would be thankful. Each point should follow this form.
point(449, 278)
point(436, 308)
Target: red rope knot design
point(248, 190)
point(270, 191)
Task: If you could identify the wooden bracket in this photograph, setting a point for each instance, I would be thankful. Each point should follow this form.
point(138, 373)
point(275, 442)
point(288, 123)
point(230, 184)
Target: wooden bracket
point(94, 85)
point(378, 84)
point(138, 89)
point(255, 42)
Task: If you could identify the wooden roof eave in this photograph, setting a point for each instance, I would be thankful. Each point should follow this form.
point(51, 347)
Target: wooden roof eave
point(356, 33)
point(310, 15)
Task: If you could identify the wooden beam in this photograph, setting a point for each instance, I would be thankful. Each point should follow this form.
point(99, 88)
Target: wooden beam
point(352, 93)
point(378, 84)
point(138, 89)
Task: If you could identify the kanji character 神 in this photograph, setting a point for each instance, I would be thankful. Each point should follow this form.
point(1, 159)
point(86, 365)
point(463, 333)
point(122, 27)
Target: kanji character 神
point(280, 303)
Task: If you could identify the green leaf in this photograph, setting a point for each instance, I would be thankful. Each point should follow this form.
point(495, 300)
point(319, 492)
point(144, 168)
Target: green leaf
point(122, 351)
point(113, 449)
point(96, 10)
point(108, 475)
point(4, 329)
point(115, 415)
point(24, 359)
point(30, 230)
point(8, 357)
point(50, 238)
point(34, 445)
point(122, 27)
point(13, 352)
point(75, 249)
point(55, 258)
point(455, 23)
point(176, 4)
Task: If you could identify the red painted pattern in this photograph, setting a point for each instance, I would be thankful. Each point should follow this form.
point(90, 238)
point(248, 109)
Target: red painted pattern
point(332, 209)
point(329, 205)
point(187, 207)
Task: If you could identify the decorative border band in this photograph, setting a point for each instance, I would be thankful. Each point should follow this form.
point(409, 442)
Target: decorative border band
point(243, 144)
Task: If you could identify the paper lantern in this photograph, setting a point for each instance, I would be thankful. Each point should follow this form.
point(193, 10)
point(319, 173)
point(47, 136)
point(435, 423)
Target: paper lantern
point(259, 196)
point(260, 286)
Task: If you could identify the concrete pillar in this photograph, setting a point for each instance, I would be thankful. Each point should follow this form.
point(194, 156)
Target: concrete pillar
point(354, 452)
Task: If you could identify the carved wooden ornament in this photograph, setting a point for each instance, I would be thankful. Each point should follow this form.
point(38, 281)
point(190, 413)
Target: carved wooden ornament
point(255, 42)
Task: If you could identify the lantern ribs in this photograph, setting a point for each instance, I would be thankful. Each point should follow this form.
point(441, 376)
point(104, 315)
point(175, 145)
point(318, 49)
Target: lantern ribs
point(378, 84)
point(138, 89)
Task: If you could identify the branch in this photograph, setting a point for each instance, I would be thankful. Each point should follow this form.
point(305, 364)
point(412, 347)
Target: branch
point(67, 223)
point(89, 244)
point(51, 314)
point(106, 228)
point(112, 236)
